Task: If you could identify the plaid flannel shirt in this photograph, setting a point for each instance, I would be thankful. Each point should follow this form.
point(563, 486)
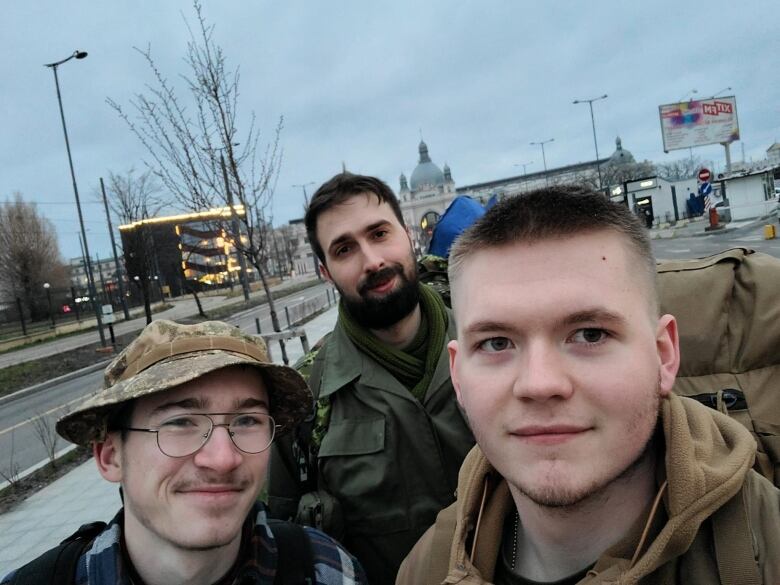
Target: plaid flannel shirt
point(103, 562)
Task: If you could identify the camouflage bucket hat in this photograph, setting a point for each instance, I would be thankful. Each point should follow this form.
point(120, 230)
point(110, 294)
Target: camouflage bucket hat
point(167, 354)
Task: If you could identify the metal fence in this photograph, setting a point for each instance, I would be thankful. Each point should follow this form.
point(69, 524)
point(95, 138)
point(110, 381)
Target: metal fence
point(295, 314)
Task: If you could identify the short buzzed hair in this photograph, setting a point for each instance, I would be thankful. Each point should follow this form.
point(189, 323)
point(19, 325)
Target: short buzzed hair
point(555, 213)
point(337, 190)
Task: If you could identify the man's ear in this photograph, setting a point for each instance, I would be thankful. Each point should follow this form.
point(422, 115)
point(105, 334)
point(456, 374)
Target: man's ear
point(324, 272)
point(108, 457)
point(668, 347)
point(452, 350)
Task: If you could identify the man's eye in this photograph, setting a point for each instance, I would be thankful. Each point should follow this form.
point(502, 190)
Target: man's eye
point(495, 344)
point(379, 234)
point(589, 335)
point(249, 420)
point(341, 250)
point(179, 422)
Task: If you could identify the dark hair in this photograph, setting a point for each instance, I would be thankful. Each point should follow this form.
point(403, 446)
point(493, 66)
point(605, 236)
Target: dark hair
point(554, 212)
point(337, 190)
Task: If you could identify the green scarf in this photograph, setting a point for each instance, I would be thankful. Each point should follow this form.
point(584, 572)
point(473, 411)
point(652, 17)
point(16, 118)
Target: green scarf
point(413, 366)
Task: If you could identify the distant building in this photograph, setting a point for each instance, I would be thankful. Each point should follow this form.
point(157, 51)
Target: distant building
point(104, 266)
point(773, 154)
point(292, 250)
point(574, 173)
point(426, 196)
point(193, 246)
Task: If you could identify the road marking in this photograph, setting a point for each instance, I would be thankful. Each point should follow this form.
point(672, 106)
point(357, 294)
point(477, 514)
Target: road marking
point(678, 250)
point(29, 420)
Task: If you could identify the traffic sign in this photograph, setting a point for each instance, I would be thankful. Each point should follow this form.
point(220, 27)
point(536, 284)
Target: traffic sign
point(704, 175)
point(705, 188)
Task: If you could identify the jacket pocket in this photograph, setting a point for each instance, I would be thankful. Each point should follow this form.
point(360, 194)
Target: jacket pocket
point(360, 470)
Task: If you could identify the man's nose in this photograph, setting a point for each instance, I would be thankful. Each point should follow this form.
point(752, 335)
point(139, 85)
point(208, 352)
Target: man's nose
point(372, 259)
point(542, 373)
point(219, 452)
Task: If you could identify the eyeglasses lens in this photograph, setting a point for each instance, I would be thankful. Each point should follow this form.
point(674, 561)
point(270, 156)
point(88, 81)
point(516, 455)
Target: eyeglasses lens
point(183, 435)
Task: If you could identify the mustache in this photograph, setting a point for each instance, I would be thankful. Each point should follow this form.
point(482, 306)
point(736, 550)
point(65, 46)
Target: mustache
point(198, 483)
point(379, 276)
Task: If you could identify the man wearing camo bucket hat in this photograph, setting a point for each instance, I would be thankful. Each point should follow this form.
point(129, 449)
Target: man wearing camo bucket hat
point(183, 423)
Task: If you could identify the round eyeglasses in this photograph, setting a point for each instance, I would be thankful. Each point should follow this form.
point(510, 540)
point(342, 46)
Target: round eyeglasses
point(185, 434)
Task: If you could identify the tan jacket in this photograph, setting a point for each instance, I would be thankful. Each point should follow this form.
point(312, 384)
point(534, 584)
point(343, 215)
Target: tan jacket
point(707, 463)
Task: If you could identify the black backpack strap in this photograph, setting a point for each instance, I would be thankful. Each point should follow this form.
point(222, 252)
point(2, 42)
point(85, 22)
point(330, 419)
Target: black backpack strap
point(295, 560)
point(58, 565)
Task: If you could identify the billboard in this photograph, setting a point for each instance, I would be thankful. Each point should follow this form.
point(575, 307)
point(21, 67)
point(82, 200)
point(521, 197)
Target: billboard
point(699, 122)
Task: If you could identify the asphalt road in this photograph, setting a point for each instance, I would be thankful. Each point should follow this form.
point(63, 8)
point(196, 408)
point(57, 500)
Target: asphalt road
point(695, 247)
point(20, 445)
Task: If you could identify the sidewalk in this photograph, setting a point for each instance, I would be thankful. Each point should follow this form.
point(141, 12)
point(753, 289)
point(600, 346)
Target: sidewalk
point(695, 227)
point(82, 496)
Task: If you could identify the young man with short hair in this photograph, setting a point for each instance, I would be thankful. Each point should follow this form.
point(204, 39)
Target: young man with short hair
point(382, 456)
point(588, 468)
point(183, 424)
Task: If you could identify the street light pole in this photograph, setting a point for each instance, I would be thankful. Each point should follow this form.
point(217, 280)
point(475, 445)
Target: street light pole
point(90, 278)
point(47, 287)
point(593, 124)
point(544, 158)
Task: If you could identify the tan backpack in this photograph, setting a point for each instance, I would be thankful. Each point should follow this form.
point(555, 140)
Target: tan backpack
point(728, 312)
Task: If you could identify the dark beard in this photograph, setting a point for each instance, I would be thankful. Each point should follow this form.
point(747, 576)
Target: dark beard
point(384, 312)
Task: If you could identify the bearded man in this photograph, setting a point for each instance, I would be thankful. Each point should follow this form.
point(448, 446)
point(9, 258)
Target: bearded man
point(381, 456)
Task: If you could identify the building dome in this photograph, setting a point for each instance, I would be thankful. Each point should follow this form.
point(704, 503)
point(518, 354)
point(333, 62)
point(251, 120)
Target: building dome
point(620, 156)
point(425, 174)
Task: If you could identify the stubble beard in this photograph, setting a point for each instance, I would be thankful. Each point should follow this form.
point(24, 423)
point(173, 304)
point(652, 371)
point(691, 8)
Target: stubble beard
point(382, 312)
point(567, 499)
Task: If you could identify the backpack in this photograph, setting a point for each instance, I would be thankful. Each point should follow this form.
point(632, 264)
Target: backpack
point(57, 566)
point(728, 313)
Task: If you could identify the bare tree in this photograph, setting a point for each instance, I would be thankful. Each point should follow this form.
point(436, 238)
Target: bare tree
point(29, 255)
point(682, 168)
point(11, 471)
point(132, 198)
point(198, 152)
point(47, 435)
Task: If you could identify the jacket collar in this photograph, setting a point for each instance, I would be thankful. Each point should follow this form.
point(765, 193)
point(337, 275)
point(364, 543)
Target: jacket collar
point(345, 364)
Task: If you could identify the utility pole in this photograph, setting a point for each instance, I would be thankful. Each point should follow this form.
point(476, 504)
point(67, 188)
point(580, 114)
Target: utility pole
point(544, 158)
point(119, 272)
point(593, 124)
point(90, 278)
point(236, 230)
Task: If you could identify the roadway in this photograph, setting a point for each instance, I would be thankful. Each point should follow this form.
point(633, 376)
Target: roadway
point(21, 446)
point(697, 246)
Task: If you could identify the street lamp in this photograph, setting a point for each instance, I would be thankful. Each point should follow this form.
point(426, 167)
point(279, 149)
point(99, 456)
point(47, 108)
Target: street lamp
point(91, 283)
point(47, 287)
point(717, 93)
point(544, 159)
point(528, 164)
point(593, 123)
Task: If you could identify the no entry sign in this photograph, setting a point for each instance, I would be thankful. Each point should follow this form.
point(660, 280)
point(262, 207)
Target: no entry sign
point(704, 175)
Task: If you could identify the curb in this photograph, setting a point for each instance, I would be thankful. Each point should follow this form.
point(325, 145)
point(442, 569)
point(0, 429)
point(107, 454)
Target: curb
point(49, 383)
point(40, 465)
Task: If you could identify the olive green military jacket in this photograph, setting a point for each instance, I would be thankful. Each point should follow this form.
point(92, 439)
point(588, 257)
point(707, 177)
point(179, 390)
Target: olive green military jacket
point(387, 463)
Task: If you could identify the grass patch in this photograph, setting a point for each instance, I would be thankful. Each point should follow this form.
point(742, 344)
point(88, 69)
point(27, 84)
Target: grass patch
point(15, 494)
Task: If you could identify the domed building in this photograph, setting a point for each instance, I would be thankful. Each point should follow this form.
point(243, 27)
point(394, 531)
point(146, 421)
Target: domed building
point(425, 196)
point(621, 156)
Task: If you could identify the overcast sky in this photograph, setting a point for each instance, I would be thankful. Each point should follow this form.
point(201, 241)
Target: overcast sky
point(358, 81)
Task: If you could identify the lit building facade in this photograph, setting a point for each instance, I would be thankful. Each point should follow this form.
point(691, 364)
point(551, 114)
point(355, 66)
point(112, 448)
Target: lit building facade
point(191, 247)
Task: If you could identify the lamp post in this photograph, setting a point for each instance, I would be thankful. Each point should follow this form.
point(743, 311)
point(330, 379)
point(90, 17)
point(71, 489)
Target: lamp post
point(47, 288)
point(91, 282)
point(544, 158)
point(593, 124)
